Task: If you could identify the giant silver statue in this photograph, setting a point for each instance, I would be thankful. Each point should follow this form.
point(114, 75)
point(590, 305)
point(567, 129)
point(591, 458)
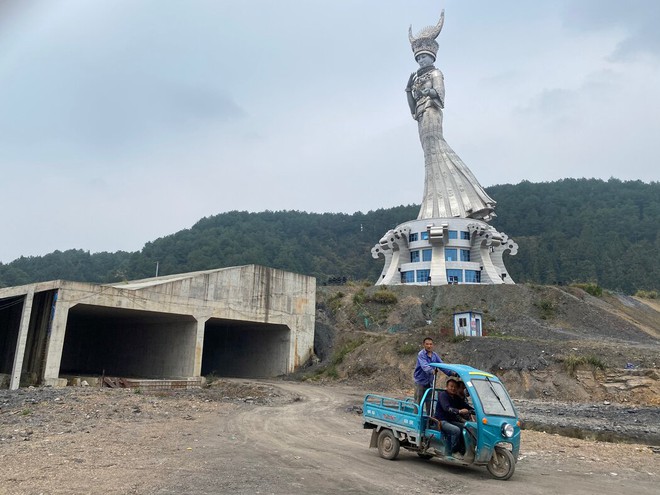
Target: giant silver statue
point(450, 188)
point(450, 242)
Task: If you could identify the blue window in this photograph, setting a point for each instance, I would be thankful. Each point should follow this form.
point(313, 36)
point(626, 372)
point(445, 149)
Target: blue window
point(423, 275)
point(412, 237)
point(451, 254)
point(465, 235)
point(424, 235)
point(414, 256)
point(407, 277)
point(465, 255)
point(426, 254)
point(473, 276)
point(453, 234)
point(454, 276)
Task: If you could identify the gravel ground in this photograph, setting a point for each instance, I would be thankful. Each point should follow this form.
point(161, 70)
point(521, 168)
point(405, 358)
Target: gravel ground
point(241, 436)
point(604, 421)
point(26, 411)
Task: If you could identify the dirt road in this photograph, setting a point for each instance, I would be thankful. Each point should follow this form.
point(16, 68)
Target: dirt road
point(265, 437)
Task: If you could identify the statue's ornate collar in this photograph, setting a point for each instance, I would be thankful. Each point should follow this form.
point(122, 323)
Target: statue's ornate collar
point(424, 70)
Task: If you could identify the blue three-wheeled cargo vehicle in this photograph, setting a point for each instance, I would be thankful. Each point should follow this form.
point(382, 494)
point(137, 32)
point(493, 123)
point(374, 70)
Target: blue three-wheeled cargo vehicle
point(491, 435)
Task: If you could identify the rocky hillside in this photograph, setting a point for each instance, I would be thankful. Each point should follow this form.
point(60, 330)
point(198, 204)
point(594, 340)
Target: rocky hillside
point(545, 342)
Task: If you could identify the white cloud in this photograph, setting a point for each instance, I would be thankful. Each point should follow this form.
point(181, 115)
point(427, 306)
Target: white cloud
point(124, 121)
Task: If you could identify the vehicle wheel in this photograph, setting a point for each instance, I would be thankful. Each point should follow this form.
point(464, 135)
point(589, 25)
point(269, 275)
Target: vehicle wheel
point(388, 445)
point(425, 456)
point(502, 464)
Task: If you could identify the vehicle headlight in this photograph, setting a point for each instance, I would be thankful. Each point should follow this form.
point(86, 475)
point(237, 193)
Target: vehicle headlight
point(507, 430)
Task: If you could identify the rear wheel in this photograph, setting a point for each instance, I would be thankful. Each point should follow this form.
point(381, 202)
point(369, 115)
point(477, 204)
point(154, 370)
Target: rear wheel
point(502, 464)
point(388, 445)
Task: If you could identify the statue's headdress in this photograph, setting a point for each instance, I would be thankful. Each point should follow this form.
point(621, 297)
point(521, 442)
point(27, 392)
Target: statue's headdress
point(425, 42)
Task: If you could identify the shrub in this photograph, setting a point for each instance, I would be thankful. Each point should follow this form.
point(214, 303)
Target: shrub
point(646, 294)
point(595, 361)
point(359, 283)
point(210, 378)
point(347, 348)
point(590, 288)
point(331, 372)
point(573, 362)
point(334, 302)
point(384, 296)
point(407, 349)
point(359, 297)
point(314, 375)
point(504, 336)
point(547, 308)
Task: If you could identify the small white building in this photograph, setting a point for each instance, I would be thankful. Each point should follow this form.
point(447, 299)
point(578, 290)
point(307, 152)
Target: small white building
point(468, 323)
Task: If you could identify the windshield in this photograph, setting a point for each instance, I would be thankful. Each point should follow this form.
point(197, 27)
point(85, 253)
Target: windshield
point(494, 398)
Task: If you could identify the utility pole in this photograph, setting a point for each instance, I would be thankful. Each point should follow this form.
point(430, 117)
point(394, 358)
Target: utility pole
point(157, 268)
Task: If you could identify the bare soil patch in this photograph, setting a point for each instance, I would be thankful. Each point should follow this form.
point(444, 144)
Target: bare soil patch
point(548, 343)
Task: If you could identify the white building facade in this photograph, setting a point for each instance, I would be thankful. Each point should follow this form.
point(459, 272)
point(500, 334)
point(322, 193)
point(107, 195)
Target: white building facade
point(444, 251)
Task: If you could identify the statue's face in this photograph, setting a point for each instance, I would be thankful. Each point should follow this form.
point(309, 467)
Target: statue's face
point(424, 60)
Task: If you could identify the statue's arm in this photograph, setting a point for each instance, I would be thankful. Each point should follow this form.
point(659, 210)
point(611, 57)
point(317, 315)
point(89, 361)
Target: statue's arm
point(439, 87)
point(411, 100)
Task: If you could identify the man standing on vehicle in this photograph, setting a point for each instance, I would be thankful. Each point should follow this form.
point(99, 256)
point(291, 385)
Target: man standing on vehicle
point(423, 373)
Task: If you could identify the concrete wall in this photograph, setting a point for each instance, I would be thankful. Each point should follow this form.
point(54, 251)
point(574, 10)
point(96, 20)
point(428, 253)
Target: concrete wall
point(156, 327)
point(245, 293)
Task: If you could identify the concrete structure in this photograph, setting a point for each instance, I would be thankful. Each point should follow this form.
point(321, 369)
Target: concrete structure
point(468, 323)
point(451, 241)
point(244, 321)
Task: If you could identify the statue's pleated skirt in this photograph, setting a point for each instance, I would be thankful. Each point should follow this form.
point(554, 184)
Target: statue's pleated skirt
point(450, 188)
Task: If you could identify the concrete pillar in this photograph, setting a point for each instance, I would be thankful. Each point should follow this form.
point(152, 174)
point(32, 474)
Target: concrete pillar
point(199, 345)
point(19, 355)
point(55, 346)
point(490, 270)
point(393, 275)
point(438, 265)
point(383, 280)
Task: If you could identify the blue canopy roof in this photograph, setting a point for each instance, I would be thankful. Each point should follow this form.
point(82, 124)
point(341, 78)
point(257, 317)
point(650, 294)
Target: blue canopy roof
point(464, 371)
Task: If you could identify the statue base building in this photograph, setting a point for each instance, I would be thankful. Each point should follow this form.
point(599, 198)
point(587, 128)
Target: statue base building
point(441, 251)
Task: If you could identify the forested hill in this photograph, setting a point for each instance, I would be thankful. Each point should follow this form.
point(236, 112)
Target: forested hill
point(572, 230)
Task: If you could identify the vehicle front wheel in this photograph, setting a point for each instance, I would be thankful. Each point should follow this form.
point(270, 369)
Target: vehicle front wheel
point(502, 464)
point(388, 445)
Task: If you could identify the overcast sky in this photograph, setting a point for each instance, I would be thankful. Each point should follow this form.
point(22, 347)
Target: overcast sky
point(122, 121)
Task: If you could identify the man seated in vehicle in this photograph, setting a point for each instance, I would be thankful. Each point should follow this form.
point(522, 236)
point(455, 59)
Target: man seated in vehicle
point(462, 390)
point(452, 412)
